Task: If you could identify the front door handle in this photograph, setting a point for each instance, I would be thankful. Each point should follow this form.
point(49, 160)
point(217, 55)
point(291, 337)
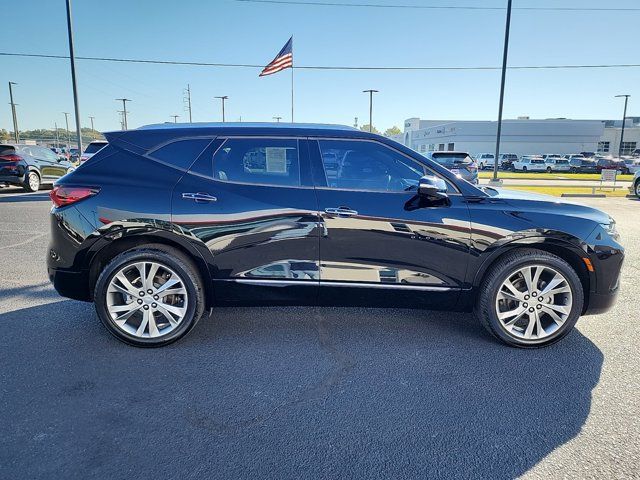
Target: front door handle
point(341, 211)
point(199, 197)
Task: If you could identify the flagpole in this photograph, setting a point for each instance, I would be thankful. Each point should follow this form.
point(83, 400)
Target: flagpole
point(291, 78)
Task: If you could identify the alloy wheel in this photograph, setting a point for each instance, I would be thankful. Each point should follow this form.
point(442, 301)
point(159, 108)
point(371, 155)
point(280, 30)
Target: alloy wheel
point(146, 299)
point(533, 302)
point(638, 189)
point(34, 181)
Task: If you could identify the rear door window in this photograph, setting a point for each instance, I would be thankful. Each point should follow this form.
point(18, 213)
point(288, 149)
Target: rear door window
point(259, 161)
point(181, 153)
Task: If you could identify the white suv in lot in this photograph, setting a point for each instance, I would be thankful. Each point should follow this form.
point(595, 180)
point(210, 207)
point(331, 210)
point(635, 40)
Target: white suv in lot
point(558, 164)
point(485, 160)
point(530, 163)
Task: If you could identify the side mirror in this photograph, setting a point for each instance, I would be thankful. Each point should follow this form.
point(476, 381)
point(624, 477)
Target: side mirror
point(432, 187)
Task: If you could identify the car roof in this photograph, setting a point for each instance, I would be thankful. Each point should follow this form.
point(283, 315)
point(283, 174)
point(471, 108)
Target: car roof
point(254, 127)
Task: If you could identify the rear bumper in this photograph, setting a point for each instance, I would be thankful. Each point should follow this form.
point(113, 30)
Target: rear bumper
point(70, 284)
point(12, 179)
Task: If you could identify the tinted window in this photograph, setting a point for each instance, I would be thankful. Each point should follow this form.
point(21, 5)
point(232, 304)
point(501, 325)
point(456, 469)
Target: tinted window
point(94, 147)
point(452, 159)
point(181, 153)
point(7, 150)
point(263, 161)
point(45, 153)
point(356, 165)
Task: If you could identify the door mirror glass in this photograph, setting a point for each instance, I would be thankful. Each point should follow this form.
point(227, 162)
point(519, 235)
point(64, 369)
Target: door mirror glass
point(432, 187)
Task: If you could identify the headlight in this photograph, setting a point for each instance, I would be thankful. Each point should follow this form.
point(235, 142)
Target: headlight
point(611, 228)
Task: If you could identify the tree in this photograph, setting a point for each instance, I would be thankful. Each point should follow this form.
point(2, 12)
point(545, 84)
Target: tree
point(4, 136)
point(365, 128)
point(392, 131)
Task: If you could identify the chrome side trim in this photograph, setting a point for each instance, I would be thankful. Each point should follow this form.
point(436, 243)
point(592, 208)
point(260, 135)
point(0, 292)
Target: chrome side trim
point(313, 283)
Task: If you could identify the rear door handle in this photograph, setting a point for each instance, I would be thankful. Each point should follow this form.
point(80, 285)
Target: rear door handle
point(199, 197)
point(341, 211)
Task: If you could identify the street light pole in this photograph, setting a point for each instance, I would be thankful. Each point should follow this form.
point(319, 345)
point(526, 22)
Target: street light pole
point(370, 92)
point(505, 53)
point(124, 112)
point(175, 118)
point(66, 120)
point(223, 98)
point(57, 138)
point(91, 118)
point(16, 134)
point(624, 117)
point(73, 76)
point(277, 119)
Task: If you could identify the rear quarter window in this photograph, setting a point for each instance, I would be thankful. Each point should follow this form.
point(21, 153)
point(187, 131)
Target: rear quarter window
point(181, 153)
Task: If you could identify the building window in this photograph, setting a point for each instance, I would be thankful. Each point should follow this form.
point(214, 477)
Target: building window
point(423, 148)
point(628, 148)
point(450, 147)
point(432, 147)
point(603, 147)
point(441, 147)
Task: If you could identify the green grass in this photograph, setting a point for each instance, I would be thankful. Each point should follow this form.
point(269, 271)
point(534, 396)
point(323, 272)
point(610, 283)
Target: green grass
point(558, 191)
point(549, 176)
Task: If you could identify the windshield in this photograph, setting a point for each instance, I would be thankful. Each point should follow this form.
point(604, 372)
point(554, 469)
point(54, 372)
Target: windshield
point(447, 159)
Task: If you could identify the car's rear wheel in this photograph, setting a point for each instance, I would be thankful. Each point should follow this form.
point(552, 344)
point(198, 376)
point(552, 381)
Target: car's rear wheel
point(524, 169)
point(549, 170)
point(32, 183)
point(150, 296)
point(637, 188)
point(530, 298)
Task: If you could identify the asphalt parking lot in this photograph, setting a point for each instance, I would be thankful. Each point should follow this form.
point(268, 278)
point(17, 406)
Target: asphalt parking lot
point(308, 392)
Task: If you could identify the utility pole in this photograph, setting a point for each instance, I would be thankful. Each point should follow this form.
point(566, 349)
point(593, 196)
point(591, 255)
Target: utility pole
point(370, 92)
point(187, 101)
point(277, 119)
point(494, 180)
point(175, 118)
point(16, 134)
point(73, 77)
point(91, 118)
point(57, 138)
point(223, 98)
point(66, 120)
point(624, 117)
point(355, 122)
point(124, 112)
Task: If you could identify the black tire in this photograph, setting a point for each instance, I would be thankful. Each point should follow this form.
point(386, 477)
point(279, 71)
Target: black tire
point(549, 170)
point(636, 188)
point(32, 182)
point(166, 256)
point(485, 310)
point(524, 168)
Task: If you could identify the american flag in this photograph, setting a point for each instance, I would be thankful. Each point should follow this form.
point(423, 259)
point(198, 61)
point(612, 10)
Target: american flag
point(283, 60)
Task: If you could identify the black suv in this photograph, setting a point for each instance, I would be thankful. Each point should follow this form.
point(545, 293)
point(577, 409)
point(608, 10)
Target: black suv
point(167, 221)
point(30, 166)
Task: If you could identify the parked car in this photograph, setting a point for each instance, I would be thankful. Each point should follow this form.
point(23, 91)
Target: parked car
point(588, 154)
point(30, 166)
point(530, 163)
point(611, 164)
point(633, 164)
point(583, 165)
point(571, 156)
point(485, 160)
point(92, 149)
point(74, 155)
point(506, 160)
point(460, 163)
point(557, 165)
point(552, 155)
point(635, 184)
point(167, 221)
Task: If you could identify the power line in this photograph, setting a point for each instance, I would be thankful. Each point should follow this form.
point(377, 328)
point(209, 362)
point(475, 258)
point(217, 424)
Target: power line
point(441, 7)
point(326, 67)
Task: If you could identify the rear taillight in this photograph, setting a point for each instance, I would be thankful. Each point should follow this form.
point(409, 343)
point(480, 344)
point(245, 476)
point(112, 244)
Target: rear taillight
point(62, 196)
point(11, 157)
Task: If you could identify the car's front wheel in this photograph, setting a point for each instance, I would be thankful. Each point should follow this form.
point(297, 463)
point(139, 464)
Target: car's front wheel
point(637, 188)
point(530, 298)
point(149, 296)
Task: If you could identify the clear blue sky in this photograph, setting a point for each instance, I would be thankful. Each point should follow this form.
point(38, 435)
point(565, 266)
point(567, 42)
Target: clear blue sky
point(229, 31)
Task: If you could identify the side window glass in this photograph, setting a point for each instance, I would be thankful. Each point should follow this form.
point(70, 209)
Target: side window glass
point(362, 165)
point(48, 154)
point(181, 153)
point(262, 161)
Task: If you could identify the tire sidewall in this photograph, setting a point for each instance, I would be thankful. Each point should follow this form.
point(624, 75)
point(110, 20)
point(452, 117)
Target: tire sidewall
point(507, 270)
point(189, 278)
point(27, 184)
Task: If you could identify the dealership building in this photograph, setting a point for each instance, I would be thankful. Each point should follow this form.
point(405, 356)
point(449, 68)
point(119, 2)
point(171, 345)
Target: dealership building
point(522, 136)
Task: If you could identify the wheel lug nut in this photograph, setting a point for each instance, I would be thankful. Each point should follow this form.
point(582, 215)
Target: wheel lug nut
point(531, 309)
point(139, 301)
point(534, 293)
point(155, 297)
point(525, 305)
point(149, 291)
point(142, 294)
point(539, 307)
point(146, 307)
point(154, 305)
point(526, 297)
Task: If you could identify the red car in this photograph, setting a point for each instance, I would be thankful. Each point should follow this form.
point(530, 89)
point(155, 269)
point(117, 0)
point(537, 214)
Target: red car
point(611, 164)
